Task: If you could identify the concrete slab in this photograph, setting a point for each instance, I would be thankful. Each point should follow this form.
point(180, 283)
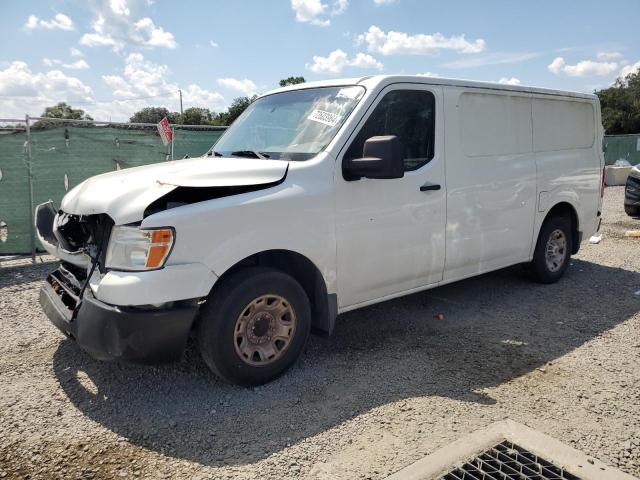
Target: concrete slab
point(444, 460)
point(614, 176)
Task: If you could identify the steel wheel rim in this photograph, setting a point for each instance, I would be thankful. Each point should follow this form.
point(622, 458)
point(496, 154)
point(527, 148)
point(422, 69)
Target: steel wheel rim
point(556, 250)
point(264, 330)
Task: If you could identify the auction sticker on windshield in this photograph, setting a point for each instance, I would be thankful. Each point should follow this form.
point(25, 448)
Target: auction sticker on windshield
point(327, 118)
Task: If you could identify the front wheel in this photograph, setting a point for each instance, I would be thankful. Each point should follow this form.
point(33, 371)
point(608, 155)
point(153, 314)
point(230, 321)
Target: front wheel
point(254, 326)
point(553, 250)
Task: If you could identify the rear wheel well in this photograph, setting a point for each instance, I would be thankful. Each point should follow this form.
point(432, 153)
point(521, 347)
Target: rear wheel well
point(566, 210)
point(304, 271)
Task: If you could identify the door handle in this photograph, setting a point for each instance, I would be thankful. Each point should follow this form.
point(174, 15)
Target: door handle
point(429, 186)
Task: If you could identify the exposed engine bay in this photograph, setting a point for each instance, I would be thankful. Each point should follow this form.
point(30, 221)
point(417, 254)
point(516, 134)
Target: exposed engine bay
point(76, 239)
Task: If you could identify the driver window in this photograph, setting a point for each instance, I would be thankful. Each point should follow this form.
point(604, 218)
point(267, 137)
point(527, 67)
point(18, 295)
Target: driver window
point(407, 114)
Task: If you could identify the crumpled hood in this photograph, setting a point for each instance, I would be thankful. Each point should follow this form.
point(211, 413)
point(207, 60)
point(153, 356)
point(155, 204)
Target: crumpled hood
point(124, 194)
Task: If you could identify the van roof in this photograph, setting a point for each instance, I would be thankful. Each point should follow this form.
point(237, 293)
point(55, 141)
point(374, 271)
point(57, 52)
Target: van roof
point(383, 80)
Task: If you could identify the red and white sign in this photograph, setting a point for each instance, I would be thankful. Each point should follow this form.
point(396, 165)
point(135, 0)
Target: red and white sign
point(165, 131)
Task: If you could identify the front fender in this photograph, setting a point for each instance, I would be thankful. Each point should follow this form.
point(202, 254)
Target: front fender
point(296, 215)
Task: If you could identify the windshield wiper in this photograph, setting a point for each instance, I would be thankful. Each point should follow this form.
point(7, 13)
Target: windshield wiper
point(249, 154)
point(214, 153)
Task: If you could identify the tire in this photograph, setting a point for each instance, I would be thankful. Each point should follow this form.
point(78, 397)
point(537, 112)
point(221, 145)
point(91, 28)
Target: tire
point(632, 210)
point(549, 269)
point(254, 326)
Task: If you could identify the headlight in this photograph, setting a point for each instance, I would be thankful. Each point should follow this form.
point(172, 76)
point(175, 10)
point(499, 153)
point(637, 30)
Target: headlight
point(133, 248)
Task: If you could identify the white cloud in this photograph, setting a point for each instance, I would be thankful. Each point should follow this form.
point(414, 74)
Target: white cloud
point(213, 44)
point(77, 65)
point(582, 68)
point(141, 81)
point(394, 43)
point(627, 69)
point(244, 86)
point(509, 81)
point(428, 74)
point(60, 21)
point(18, 80)
point(364, 60)
point(334, 63)
point(119, 86)
point(74, 52)
point(100, 37)
point(609, 55)
point(308, 10)
point(119, 7)
point(316, 12)
point(195, 95)
point(146, 78)
point(118, 23)
point(338, 60)
point(23, 91)
point(151, 36)
point(384, 2)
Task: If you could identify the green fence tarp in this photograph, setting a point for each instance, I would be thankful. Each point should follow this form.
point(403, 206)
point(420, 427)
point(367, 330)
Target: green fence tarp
point(621, 147)
point(88, 151)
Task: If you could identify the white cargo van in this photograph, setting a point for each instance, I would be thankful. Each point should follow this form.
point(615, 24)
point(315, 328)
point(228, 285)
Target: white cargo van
point(322, 198)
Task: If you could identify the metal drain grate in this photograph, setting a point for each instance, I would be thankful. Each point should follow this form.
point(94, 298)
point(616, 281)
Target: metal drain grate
point(508, 461)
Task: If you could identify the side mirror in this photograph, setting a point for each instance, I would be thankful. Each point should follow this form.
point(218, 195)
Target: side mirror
point(382, 158)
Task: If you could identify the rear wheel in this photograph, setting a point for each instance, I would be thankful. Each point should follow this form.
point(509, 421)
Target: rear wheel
point(254, 326)
point(553, 250)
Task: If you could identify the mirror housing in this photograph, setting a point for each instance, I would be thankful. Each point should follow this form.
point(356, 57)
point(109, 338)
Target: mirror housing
point(382, 158)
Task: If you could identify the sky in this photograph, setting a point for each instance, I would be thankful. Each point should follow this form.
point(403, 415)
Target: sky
point(114, 57)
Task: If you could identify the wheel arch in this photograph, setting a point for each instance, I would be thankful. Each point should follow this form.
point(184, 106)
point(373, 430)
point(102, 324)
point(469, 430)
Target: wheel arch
point(324, 306)
point(567, 210)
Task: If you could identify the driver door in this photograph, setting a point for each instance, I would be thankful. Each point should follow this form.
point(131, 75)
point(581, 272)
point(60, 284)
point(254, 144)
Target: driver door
point(391, 232)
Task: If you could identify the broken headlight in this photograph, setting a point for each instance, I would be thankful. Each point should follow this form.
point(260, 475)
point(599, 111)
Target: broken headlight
point(133, 248)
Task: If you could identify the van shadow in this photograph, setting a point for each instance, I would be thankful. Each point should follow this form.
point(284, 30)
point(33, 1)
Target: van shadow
point(496, 327)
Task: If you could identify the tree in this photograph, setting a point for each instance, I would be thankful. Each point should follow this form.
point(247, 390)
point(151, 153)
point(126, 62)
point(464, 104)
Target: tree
point(235, 109)
point(196, 116)
point(291, 81)
point(620, 105)
point(153, 115)
point(64, 111)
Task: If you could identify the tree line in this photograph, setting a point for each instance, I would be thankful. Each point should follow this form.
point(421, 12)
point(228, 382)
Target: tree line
point(620, 105)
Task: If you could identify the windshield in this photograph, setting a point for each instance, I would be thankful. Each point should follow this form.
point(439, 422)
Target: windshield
point(294, 125)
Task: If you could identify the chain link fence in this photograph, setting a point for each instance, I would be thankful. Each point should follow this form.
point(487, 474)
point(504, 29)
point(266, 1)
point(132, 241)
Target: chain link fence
point(43, 158)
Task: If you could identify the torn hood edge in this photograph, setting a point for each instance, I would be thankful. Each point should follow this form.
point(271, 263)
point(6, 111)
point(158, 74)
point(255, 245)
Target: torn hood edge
point(125, 194)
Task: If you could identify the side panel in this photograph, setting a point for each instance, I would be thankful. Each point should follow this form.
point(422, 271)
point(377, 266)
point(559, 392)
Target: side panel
point(491, 180)
point(567, 141)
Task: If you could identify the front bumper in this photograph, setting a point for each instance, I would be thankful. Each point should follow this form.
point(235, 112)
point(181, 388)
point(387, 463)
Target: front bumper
point(110, 332)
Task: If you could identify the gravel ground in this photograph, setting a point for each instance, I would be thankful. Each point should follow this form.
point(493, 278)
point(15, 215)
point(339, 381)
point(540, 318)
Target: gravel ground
point(393, 384)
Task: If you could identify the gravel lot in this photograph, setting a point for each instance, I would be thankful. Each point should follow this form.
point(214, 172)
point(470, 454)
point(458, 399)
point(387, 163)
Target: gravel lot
point(393, 383)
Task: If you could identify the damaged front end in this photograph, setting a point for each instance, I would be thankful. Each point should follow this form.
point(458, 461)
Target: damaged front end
point(79, 242)
point(74, 239)
point(142, 334)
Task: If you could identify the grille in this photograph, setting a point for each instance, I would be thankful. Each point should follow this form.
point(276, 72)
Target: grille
point(508, 461)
